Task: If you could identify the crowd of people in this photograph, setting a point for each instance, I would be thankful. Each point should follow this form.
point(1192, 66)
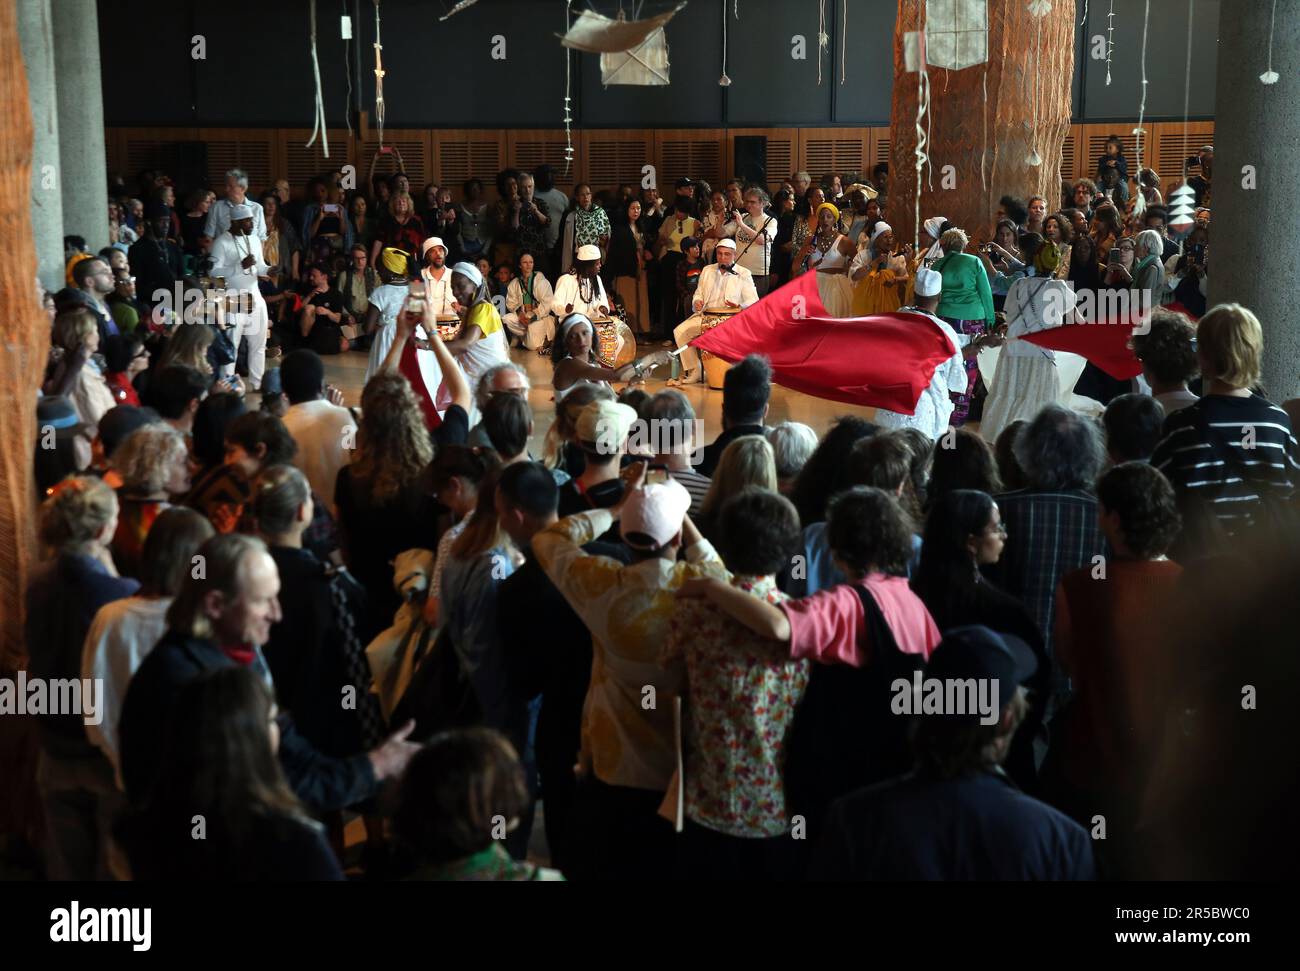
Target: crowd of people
point(687, 654)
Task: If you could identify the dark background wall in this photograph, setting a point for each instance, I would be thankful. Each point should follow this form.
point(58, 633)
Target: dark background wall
point(258, 69)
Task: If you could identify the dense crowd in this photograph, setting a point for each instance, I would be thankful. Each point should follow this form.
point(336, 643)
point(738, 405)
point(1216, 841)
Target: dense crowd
point(306, 615)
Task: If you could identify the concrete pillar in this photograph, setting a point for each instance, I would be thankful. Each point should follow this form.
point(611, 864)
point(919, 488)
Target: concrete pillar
point(1253, 226)
point(37, 37)
point(83, 167)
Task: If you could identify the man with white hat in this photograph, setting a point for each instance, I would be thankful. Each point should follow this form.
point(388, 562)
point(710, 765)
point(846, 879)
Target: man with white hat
point(601, 433)
point(628, 752)
point(237, 259)
point(437, 277)
point(580, 291)
point(722, 284)
point(935, 405)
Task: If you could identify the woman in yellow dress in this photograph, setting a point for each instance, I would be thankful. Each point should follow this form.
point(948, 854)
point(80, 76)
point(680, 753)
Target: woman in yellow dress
point(880, 275)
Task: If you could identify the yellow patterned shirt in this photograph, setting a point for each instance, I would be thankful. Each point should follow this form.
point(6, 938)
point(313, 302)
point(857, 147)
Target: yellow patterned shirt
point(627, 729)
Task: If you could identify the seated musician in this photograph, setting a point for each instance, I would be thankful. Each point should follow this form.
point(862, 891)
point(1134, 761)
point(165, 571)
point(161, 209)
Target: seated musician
point(722, 284)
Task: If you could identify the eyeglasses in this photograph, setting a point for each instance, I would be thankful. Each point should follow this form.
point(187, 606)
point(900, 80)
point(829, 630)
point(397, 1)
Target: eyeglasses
point(998, 529)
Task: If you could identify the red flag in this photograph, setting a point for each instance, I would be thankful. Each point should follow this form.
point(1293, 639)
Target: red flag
point(885, 360)
point(1104, 344)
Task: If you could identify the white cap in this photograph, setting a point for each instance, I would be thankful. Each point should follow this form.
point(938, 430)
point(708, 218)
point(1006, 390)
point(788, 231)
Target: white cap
point(605, 424)
point(240, 211)
point(589, 252)
point(655, 510)
point(929, 283)
point(726, 243)
point(470, 272)
point(430, 243)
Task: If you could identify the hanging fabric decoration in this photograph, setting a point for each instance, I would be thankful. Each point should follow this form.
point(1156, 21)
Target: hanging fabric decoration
point(319, 128)
point(379, 79)
point(1140, 201)
point(724, 81)
point(1110, 39)
point(1038, 9)
point(457, 9)
point(647, 63)
point(594, 33)
point(568, 92)
point(1270, 76)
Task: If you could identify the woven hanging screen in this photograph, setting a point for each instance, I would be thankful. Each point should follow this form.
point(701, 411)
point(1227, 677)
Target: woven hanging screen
point(956, 33)
point(597, 34)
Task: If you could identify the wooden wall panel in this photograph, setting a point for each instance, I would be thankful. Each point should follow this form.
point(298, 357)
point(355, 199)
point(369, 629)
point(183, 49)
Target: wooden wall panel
point(782, 153)
point(298, 163)
point(691, 153)
point(844, 151)
point(526, 149)
point(467, 153)
point(616, 156)
point(416, 148)
point(1173, 146)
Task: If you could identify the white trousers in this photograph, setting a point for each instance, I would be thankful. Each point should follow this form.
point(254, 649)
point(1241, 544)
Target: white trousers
point(251, 327)
point(683, 334)
point(535, 334)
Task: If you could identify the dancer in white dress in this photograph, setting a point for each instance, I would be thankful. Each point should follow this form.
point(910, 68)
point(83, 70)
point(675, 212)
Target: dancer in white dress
point(829, 252)
point(1027, 377)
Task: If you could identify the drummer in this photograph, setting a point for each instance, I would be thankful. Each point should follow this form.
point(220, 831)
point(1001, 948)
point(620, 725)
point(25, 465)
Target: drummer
point(580, 291)
point(574, 358)
point(437, 279)
point(528, 302)
point(722, 285)
point(481, 343)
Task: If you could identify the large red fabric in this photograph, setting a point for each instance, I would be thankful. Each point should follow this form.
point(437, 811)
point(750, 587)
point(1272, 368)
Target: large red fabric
point(1105, 344)
point(409, 367)
point(884, 361)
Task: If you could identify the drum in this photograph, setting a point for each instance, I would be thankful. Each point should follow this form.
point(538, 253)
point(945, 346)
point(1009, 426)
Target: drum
point(448, 326)
point(715, 368)
point(615, 344)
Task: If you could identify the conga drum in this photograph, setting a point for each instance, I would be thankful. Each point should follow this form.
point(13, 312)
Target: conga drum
point(615, 342)
point(448, 326)
point(715, 368)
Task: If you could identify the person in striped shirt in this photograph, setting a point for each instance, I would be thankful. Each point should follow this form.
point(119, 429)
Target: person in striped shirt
point(1233, 450)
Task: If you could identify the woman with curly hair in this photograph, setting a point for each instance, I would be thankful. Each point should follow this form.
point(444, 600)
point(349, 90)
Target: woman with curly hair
point(385, 495)
point(155, 468)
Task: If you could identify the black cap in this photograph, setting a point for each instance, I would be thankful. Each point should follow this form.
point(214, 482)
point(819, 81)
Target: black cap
point(683, 182)
point(983, 654)
point(120, 422)
point(157, 210)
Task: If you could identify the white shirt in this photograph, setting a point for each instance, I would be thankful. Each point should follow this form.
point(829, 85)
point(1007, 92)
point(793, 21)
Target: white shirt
point(438, 291)
point(757, 255)
point(566, 293)
point(1035, 303)
point(324, 442)
point(388, 300)
point(934, 407)
point(219, 218)
point(716, 288)
point(228, 253)
point(543, 295)
point(121, 636)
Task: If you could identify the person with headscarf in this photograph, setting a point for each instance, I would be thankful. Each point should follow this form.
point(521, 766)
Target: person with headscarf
point(880, 275)
point(966, 303)
point(385, 301)
point(828, 251)
point(1027, 376)
point(481, 343)
point(574, 358)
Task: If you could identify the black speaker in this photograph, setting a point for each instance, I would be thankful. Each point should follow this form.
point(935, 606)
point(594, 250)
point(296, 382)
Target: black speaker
point(751, 159)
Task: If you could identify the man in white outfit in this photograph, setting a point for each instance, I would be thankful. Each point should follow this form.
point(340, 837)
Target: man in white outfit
point(528, 305)
point(237, 259)
point(935, 405)
point(437, 277)
point(580, 291)
point(721, 284)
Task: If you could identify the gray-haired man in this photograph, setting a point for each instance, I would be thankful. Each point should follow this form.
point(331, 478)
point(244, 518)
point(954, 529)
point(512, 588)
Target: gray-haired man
point(236, 195)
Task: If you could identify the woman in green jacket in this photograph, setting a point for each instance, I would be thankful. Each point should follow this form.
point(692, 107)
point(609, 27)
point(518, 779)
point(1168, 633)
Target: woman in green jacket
point(966, 304)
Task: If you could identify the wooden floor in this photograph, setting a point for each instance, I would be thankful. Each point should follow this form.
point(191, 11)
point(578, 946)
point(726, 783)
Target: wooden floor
point(347, 372)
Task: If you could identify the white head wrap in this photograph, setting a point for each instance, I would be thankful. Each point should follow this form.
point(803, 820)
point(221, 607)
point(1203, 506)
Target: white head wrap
point(470, 272)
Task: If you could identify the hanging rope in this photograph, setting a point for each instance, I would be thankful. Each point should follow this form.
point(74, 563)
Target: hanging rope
point(1270, 76)
point(347, 68)
point(823, 39)
point(1187, 79)
point(319, 128)
point(1033, 158)
point(379, 79)
point(922, 141)
point(844, 37)
point(984, 116)
point(1085, 13)
point(1110, 39)
point(568, 91)
point(1140, 203)
point(724, 81)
